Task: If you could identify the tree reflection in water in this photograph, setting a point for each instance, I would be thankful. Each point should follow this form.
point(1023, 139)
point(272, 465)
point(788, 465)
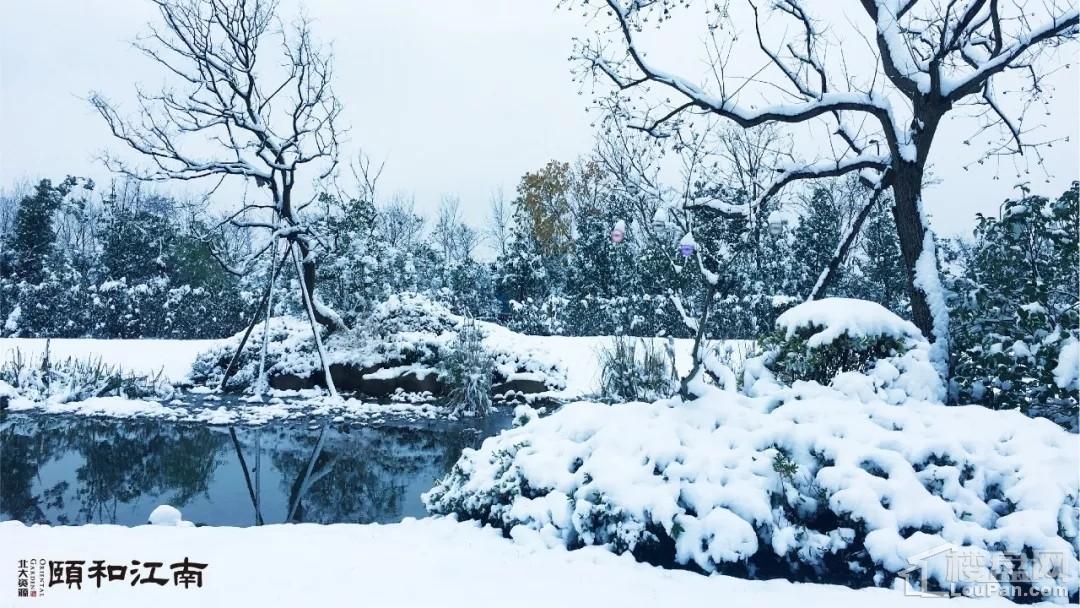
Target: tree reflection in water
point(67, 470)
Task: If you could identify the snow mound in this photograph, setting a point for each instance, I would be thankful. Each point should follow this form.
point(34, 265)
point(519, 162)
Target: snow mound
point(407, 334)
point(835, 317)
point(166, 515)
point(411, 312)
point(821, 488)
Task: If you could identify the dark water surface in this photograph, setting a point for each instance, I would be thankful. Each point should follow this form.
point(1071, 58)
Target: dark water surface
point(78, 470)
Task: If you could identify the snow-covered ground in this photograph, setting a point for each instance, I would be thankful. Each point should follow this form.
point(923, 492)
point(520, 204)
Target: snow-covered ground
point(579, 357)
point(172, 357)
point(430, 562)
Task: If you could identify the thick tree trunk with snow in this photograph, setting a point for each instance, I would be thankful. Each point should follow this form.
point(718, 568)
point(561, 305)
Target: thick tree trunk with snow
point(323, 315)
point(909, 227)
point(919, 252)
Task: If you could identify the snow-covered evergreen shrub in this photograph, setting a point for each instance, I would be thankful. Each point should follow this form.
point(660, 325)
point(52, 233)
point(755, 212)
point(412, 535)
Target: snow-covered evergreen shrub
point(1016, 306)
point(634, 369)
point(467, 370)
point(856, 346)
point(820, 488)
point(410, 312)
point(540, 317)
point(290, 350)
point(794, 359)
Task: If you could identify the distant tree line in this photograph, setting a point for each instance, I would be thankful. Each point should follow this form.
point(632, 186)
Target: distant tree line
point(125, 263)
point(122, 264)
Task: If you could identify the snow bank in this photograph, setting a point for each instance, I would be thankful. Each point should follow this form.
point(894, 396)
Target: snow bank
point(431, 562)
point(413, 333)
point(172, 357)
point(306, 405)
point(814, 485)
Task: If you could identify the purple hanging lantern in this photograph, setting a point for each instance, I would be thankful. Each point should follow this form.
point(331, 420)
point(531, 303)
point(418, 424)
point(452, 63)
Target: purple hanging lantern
point(687, 246)
point(618, 232)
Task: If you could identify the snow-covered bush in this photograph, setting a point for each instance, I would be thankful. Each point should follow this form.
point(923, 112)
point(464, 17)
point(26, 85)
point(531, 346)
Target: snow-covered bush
point(633, 369)
point(856, 346)
point(43, 379)
point(468, 372)
point(410, 313)
point(1016, 307)
point(820, 488)
point(290, 350)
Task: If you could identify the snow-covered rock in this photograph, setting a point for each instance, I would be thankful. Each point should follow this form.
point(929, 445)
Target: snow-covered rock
point(820, 487)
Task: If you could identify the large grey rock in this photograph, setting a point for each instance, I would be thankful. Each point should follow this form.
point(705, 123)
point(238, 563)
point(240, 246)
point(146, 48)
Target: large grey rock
point(523, 385)
point(408, 382)
point(292, 382)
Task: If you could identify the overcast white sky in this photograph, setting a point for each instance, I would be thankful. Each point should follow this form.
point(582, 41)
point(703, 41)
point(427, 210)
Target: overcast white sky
point(458, 97)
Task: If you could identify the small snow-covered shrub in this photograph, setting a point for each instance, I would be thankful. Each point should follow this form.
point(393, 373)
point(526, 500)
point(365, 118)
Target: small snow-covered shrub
point(857, 346)
point(468, 371)
point(290, 350)
point(821, 488)
point(410, 312)
point(44, 379)
point(794, 359)
point(634, 369)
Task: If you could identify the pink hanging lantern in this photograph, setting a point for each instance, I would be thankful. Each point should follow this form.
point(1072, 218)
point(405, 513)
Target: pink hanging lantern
point(618, 232)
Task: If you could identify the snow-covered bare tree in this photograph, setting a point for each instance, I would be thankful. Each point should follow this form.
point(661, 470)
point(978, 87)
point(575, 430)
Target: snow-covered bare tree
point(923, 59)
point(499, 220)
point(253, 100)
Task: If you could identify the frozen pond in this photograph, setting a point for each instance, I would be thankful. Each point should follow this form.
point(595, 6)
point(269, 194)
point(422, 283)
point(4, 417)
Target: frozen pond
point(78, 470)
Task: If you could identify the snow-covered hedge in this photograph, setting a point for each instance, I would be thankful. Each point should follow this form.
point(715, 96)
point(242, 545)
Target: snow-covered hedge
point(808, 484)
point(839, 465)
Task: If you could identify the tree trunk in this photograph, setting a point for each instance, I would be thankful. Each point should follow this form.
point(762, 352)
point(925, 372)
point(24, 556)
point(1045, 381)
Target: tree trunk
point(695, 354)
point(331, 321)
point(907, 190)
point(283, 199)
